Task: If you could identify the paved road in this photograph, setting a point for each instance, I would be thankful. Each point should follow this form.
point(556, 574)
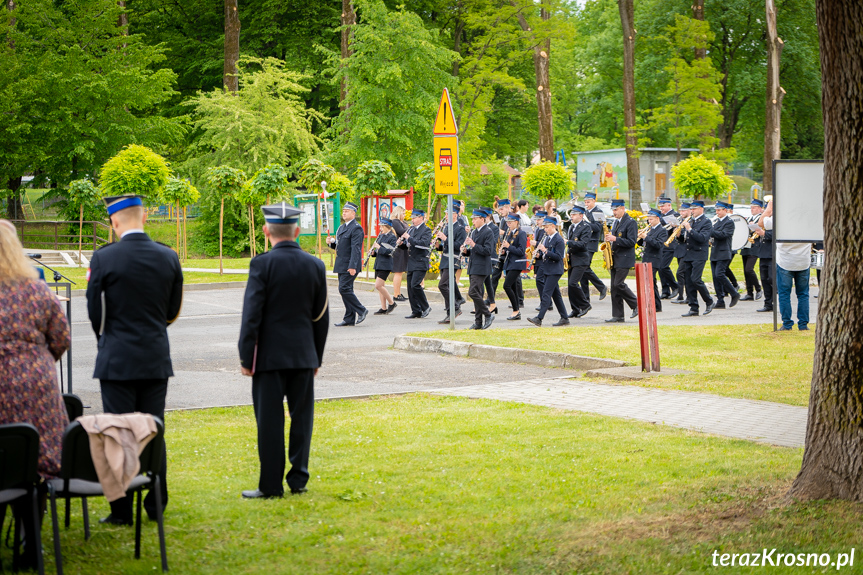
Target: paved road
point(358, 360)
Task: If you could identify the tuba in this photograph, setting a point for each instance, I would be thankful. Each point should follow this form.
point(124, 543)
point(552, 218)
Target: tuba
point(605, 248)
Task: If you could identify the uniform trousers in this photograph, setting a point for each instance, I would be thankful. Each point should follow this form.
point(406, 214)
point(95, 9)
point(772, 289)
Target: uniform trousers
point(721, 284)
point(510, 286)
point(551, 293)
point(349, 298)
point(656, 293)
point(416, 293)
point(749, 274)
point(577, 299)
point(764, 267)
point(590, 277)
point(496, 274)
point(666, 276)
point(146, 396)
point(540, 278)
point(681, 280)
point(729, 273)
point(443, 286)
point(620, 292)
point(693, 271)
point(269, 390)
point(489, 288)
point(474, 292)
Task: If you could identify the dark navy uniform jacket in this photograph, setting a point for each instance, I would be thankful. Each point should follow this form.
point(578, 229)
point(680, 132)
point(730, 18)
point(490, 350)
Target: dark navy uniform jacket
point(135, 291)
point(722, 233)
point(481, 254)
point(596, 226)
point(623, 248)
point(515, 258)
point(349, 247)
point(579, 238)
point(285, 312)
point(418, 244)
point(552, 263)
point(654, 245)
point(696, 239)
point(384, 255)
point(459, 234)
point(670, 250)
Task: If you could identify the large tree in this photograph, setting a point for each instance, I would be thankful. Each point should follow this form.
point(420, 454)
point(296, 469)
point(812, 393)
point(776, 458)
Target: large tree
point(833, 460)
point(232, 46)
point(633, 170)
point(775, 94)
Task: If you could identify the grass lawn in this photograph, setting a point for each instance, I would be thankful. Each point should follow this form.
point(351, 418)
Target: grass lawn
point(421, 484)
point(748, 361)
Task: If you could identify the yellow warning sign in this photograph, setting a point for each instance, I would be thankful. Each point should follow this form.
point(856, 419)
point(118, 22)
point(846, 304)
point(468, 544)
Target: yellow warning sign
point(446, 165)
point(444, 124)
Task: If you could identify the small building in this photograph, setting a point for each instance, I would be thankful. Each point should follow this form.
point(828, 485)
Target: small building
point(604, 171)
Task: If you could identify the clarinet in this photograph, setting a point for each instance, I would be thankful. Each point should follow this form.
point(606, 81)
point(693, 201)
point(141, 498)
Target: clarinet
point(502, 254)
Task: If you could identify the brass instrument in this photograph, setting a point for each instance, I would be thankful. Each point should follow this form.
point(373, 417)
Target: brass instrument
point(605, 248)
point(501, 252)
point(643, 231)
point(676, 231)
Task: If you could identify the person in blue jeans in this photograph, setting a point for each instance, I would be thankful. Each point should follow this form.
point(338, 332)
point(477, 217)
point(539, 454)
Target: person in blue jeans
point(792, 271)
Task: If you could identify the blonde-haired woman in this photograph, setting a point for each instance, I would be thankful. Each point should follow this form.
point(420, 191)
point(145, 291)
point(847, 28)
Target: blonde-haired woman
point(400, 257)
point(34, 334)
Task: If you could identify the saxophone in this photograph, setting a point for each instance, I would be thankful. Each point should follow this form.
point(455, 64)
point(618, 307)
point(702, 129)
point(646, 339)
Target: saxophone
point(605, 248)
point(676, 231)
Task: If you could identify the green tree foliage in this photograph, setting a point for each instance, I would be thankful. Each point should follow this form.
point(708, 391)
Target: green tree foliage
point(271, 181)
point(180, 191)
point(222, 216)
point(697, 176)
point(313, 173)
point(484, 181)
point(548, 180)
point(341, 184)
point(82, 193)
point(395, 77)
point(265, 122)
point(424, 182)
point(135, 170)
point(373, 177)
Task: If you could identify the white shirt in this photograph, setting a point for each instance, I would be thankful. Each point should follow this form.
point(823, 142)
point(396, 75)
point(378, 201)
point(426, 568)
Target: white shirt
point(793, 257)
point(127, 232)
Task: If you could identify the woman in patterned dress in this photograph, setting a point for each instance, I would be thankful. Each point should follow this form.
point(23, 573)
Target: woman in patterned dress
point(34, 334)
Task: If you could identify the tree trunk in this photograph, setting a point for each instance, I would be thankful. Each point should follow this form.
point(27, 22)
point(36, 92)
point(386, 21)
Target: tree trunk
point(232, 46)
point(179, 250)
point(633, 171)
point(543, 93)
point(14, 207)
point(221, 233)
point(833, 460)
point(80, 233)
point(123, 21)
point(10, 5)
point(698, 14)
point(349, 19)
point(775, 93)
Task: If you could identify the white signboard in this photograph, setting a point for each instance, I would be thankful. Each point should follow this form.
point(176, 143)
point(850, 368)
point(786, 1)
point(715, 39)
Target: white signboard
point(798, 209)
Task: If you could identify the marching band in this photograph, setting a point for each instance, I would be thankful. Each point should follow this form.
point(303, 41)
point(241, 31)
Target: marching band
point(507, 247)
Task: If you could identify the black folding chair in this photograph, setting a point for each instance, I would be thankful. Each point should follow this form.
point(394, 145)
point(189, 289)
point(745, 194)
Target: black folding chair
point(78, 479)
point(19, 477)
point(74, 406)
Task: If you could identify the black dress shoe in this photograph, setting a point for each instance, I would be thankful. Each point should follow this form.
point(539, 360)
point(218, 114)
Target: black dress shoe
point(413, 316)
point(457, 311)
point(561, 321)
point(344, 323)
point(573, 313)
point(514, 317)
point(602, 293)
point(381, 311)
point(535, 321)
point(690, 313)
point(710, 307)
point(583, 312)
point(114, 520)
point(392, 306)
point(735, 297)
point(298, 490)
point(400, 297)
point(488, 321)
point(719, 305)
point(634, 313)
point(759, 295)
point(258, 494)
point(538, 308)
point(361, 316)
point(679, 301)
point(426, 312)
point(747, 297)
point(665, 296)
point(765, 308)
point(674, 293)
point(444, 320)
point(475, 326)
point(615, 320)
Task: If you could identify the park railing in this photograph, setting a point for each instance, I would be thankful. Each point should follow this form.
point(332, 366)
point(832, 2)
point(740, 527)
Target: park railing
point(62, 235)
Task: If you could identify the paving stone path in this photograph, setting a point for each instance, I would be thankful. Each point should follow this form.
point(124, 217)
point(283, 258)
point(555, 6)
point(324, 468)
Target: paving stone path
point(761, 421)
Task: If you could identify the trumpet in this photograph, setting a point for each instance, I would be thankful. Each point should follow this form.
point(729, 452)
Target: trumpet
point(676, 231)
point(642, 232)
point(753, 237)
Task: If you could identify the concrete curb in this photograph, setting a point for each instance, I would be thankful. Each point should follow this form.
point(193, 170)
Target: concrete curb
point(503, 354)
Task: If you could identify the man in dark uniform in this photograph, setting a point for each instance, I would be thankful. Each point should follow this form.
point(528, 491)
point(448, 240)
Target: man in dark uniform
point(654, 242)
point(348, 244)
point(490, 290)
point(504, 208)
point(763, 248)
point(134, 293)
point(696, 236)
point(480, 249)
point(749, 254)
point(670, 287)
point(579, 236)
point(282, 337)
point(679, 253)
point(552, 250)
point(624, 234)
point(459, 235)
point(417, 240)
point(538, 240)
point(595, 217)
point(720, 257)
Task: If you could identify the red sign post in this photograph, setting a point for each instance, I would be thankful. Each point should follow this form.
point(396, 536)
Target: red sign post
point(647, 317)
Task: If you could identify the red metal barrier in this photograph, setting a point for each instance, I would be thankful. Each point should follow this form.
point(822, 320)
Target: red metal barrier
point(647, 317)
